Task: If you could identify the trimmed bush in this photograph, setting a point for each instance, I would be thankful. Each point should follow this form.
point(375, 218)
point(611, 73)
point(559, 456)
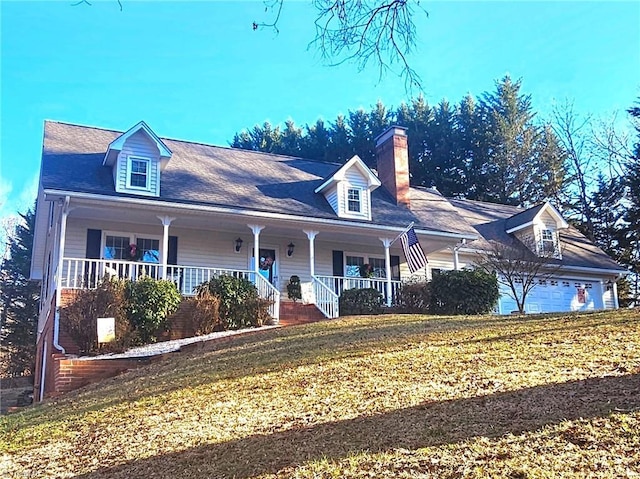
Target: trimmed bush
point(148, 304)
point(414, 298)
point(360, 301)
point(472, 291)
point(79, 318)
point(240, 306)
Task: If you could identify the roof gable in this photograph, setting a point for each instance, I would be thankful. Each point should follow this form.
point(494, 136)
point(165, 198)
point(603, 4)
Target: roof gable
point(116, 145)
point(529, 217)
point(354, 163)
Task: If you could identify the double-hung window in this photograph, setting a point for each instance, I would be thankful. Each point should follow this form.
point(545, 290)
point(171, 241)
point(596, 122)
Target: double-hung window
point(354, 201)
point(138, 173)
point(548, 242)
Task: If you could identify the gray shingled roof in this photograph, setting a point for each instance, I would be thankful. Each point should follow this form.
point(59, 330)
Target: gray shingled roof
point(523, 217)
point(229, 177)
point(490, 221)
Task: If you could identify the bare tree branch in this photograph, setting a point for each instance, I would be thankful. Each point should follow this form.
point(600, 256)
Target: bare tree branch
point(521, 266)
point(382, 32)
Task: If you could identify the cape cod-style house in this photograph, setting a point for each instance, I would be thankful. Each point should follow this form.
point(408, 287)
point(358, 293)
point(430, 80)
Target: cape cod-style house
point(193, 211)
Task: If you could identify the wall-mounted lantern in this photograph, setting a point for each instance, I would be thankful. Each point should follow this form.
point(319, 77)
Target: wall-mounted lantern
point(290, 248)
point(238, 246)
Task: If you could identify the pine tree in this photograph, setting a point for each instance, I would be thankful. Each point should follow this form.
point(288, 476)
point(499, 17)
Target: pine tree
point(19, 302)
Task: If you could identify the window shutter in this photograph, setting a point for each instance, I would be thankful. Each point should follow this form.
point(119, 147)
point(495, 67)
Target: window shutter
point(395, 268)
point(172, 253)
point(94, 240)
point(338, 263)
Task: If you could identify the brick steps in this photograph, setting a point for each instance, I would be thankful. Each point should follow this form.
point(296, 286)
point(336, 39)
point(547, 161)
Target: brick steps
point(297, 313)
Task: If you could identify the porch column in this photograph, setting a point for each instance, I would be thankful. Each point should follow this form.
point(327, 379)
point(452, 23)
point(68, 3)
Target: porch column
point(311, 234)
point(386, 242)
point(58, 276)
point(615, 295)
point(256, 246)
point(166, 221)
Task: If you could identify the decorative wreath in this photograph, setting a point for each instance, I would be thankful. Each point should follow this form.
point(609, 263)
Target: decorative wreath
point(265, 263)
point(134, 253)
point(366, 271)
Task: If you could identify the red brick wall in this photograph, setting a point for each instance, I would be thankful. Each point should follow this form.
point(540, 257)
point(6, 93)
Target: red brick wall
point(393, 167)
point(73, 373)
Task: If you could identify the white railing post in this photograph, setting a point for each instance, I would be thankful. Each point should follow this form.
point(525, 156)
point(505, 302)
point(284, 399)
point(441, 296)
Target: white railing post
point(312, 255)
point(386, 242)
point(255, 229)
point(166, 221)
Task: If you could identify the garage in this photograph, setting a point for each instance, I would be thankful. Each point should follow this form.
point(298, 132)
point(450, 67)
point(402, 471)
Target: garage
point(556, 294)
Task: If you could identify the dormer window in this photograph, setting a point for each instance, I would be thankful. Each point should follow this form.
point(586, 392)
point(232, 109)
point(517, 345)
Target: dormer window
point(138, 173)
point(548, 245)
point(354, 204)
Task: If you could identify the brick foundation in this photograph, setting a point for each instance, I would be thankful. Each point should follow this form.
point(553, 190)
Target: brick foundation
point(74, 373)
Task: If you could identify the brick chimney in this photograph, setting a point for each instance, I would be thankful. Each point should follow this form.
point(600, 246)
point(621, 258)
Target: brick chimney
point(393, 163)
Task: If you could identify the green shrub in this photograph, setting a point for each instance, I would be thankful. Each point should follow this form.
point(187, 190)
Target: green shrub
point(414, 298)
point(240, 306)
point(79, 317)
point(294, 290)
point(470, 291)
point(360, 301)
point(148, 304)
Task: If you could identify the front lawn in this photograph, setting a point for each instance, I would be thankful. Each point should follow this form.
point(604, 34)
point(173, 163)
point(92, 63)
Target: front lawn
point(385, 396)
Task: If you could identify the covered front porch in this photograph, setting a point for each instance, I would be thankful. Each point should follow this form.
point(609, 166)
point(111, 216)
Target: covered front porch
point(191, 246)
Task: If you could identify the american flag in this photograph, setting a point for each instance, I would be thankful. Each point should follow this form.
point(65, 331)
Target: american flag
point(416, 258)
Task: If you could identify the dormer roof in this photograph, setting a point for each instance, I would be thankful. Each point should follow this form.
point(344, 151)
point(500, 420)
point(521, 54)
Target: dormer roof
point(116, 145)
point(529, 217)
point(372, 180)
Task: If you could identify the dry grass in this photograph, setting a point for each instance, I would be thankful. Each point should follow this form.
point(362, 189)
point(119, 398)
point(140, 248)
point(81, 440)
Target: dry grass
point(390, 396)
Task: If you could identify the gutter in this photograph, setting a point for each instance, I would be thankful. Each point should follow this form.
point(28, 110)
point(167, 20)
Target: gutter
point(61, 239)
point(250, 213)
point(586, 269)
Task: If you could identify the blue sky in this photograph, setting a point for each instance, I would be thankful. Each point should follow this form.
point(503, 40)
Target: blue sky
point(197, 71)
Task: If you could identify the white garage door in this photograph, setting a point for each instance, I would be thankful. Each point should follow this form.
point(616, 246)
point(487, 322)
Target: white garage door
point(559, 294)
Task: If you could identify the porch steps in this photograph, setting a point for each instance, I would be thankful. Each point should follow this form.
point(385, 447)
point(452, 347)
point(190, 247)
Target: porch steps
point(292, 313)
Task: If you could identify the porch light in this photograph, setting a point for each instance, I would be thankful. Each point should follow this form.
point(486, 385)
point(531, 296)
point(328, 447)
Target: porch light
point(238, 244)
point(290, 248)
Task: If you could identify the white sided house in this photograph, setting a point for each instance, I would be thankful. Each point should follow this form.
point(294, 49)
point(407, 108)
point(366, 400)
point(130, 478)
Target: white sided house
point(194, 211)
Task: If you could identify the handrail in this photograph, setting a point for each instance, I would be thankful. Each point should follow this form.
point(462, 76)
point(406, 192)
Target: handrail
point(324, 298)
point(268, 291)
point(84, 273)
point(338, 284)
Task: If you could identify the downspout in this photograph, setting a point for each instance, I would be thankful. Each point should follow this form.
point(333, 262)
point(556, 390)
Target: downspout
point(43, 371)
point(61, 239)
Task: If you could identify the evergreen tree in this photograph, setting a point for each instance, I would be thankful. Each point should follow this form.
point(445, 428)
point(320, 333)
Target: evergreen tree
point(517, 167)
point(631, 254)
point(19, 301)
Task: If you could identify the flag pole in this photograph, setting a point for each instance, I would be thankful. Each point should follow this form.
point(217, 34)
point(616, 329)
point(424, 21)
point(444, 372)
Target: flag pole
point(403, 232)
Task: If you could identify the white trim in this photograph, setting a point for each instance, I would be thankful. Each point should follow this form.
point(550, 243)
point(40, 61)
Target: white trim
point(560, 221)
point(133, 238)
point(118, 143)
point(129, 172)
point(372, 180)
point(367, 260)
point(251, 213)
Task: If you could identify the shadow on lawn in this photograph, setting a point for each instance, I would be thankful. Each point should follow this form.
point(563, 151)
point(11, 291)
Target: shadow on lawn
point(428, 424)
point(290, 348)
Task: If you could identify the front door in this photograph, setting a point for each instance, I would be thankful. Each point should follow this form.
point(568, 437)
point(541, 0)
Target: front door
point(268, 266)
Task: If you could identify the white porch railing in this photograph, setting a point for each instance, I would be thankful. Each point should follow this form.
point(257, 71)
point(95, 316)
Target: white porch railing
point(338, 284)
point(82, 273)
point(325, 299)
